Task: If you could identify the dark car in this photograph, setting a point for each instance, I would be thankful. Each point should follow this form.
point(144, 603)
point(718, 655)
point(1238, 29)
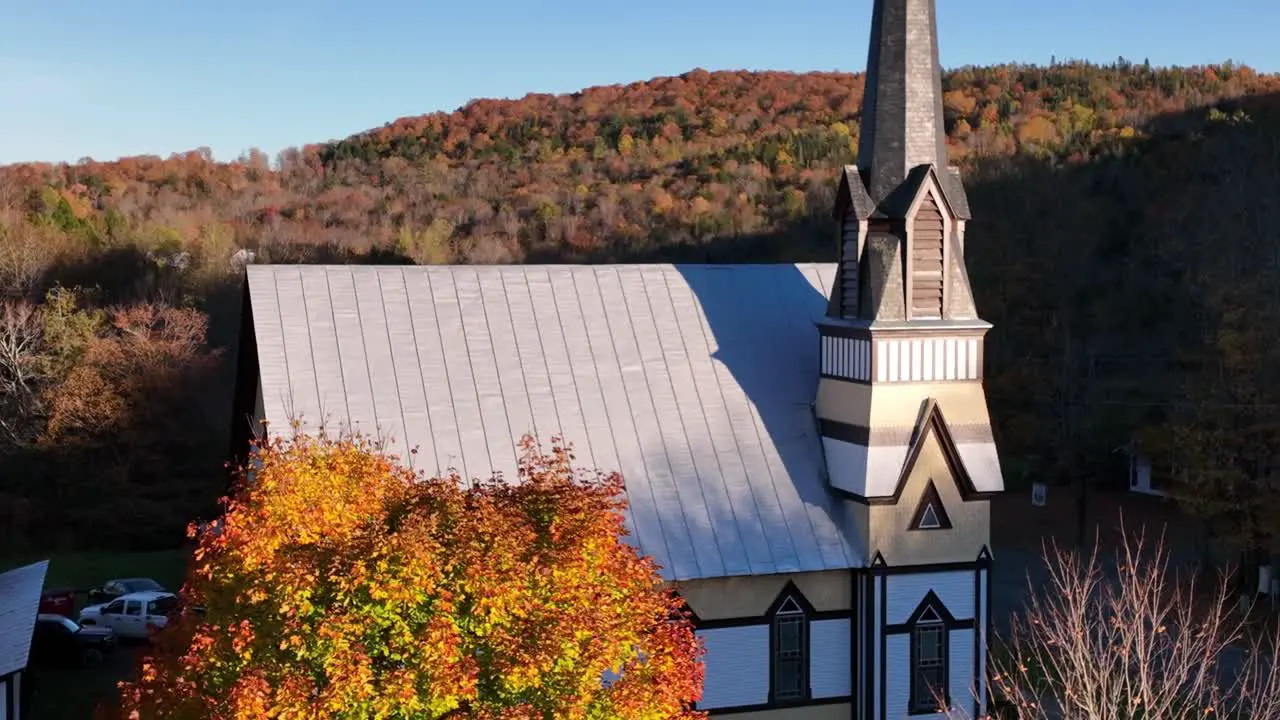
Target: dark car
point(113, 589)
point(59, 640)
point(58, 601)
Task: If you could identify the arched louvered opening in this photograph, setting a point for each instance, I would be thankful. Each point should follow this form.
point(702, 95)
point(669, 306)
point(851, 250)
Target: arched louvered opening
point(927, 233)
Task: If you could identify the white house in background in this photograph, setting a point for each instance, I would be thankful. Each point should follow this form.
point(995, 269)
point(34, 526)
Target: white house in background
point(1145, 477)
point(19, 604)
point(806, 448)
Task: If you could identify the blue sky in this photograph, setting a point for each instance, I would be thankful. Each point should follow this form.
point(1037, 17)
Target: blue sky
point(128, 77)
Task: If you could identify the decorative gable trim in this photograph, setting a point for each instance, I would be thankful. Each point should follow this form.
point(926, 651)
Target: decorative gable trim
point(852, 195)
point(789, 591)
point(929, 188)
point(930, 609)
point(930, 513)
point(931, 183)
point(932, 423)
point(790, 599)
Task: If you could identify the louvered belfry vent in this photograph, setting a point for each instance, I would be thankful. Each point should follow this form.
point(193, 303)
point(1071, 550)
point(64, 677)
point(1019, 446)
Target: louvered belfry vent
point(849, 266)
point(927, 232)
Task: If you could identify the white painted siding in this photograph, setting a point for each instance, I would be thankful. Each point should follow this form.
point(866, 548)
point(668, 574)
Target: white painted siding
point(980, 675)
point(960, 666)
point(897, 685)
point(737, 666)
point(860, 618)
point(829, 658)
point(848, 358)
point(954, 589)
point(927, 359)
point(880, 662)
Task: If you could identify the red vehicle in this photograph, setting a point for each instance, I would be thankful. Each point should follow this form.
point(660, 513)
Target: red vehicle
point(58, 601)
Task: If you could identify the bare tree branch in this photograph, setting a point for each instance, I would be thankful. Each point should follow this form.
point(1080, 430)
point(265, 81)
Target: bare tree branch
point(1133, 641)
point(21, 372)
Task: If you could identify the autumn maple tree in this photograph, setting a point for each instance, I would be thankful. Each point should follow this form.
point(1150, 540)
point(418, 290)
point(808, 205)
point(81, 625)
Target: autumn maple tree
point(339, 584)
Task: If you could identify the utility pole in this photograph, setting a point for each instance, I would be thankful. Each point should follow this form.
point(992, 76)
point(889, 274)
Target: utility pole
point(1083, 398)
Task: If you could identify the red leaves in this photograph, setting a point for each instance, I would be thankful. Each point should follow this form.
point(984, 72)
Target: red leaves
point(339, 586)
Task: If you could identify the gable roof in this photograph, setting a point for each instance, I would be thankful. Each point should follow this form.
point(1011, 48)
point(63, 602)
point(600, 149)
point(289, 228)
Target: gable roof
point(19, 603)
point(696, 382)
point(932, 423)
point(852, 193)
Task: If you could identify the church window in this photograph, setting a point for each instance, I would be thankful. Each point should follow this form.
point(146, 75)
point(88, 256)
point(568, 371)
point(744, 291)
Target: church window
point(929, 671)
point(790, 647)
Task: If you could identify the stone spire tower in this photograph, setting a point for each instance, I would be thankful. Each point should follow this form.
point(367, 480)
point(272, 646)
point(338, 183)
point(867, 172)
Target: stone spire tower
point(901, 404)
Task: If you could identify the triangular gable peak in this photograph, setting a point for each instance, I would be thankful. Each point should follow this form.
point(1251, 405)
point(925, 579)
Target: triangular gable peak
point(790, 601)
point(852, 194)
point(931, 609)
point(947, 181)
point(931, 184)
point(932, 424)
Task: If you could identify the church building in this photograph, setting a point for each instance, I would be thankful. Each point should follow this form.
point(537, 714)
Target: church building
point(806, 448)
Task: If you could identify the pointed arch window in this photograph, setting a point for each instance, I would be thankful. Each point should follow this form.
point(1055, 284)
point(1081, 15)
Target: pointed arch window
point(789, 648)
point(930, 659)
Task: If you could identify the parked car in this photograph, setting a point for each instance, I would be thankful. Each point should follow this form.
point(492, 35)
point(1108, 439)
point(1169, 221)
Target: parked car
point(113, 589)
point(58, 601)
point(132, 615)
point(58, 639)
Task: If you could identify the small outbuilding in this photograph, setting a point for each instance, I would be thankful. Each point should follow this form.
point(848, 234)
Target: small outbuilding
point(19, 605)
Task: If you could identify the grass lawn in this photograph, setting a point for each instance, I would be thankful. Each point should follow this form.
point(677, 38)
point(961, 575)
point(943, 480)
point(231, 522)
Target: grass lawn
point(72, 693)
point(85, 570)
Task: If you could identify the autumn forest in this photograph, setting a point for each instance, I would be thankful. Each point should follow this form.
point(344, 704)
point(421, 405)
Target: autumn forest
point(1124, 243)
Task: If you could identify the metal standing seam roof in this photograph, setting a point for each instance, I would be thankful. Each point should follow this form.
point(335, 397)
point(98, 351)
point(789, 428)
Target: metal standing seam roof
point(694, 381)
point(19, 603)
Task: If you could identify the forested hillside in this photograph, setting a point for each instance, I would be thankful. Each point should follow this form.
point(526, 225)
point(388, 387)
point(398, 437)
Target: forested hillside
point(1124, 244)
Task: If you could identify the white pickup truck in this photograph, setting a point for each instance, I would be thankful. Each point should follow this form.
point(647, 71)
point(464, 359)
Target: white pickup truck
point(132, 615)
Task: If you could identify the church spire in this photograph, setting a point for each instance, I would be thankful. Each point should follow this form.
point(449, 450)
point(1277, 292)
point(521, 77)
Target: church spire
point(902, 209)
point(902, 124)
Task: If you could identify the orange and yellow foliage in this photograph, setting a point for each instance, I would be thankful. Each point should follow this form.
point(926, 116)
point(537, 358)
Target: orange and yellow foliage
point(340, 585)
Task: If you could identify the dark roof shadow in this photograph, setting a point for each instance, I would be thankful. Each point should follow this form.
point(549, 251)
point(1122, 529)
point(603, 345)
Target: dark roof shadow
point(763, 321)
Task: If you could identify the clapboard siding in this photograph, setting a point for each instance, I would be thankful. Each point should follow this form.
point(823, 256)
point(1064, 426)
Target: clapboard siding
point(829, 653)
point(11, 696)
point(847, 358)
point(897, 700)
point(980, 651)
point(736, 666)
point(960, 661)
point(879, 660)
point(954, 588)
point(928, 359)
